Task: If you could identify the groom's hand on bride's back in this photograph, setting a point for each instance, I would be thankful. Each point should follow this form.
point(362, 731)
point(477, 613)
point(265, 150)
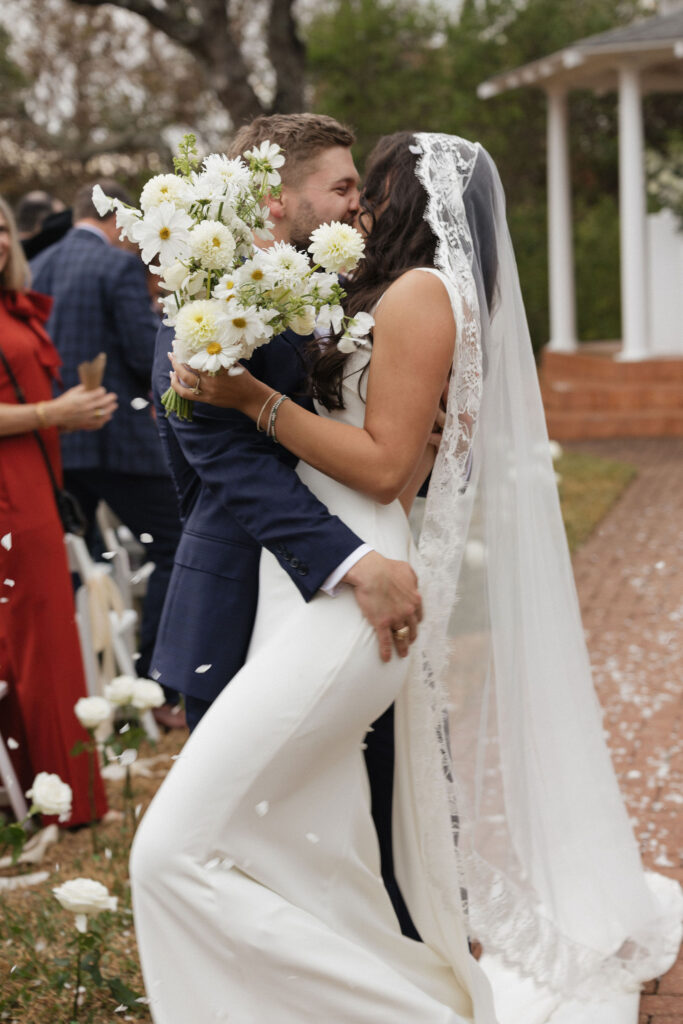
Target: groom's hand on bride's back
point(386, 591)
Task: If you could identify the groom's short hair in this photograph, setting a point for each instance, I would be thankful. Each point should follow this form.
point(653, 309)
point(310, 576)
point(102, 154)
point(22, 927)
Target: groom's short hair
point(301, 138)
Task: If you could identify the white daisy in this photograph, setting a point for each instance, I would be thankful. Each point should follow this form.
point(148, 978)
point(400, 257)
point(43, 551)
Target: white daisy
point(225, 289)
point(213, 245)
point(247, 325)
point(218, 355)
point(164, 230)
point(263, 161)
point(256, 272)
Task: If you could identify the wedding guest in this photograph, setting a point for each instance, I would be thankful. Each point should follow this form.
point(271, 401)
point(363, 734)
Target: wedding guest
point(102, 304)
point(31, 211)
point(40, 656)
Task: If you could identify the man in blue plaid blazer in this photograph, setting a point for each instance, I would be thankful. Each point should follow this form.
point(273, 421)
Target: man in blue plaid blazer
point(102, 304)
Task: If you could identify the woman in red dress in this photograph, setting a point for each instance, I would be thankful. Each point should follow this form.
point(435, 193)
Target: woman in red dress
point(40, 656)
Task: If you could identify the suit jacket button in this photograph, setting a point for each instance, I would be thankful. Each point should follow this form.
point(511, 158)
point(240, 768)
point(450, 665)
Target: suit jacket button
point(295, 563)
point(303, 570)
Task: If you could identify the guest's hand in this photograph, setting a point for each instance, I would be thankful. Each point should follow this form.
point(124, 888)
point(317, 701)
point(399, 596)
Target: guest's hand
point(81, 409)
point(386, 591)
point(221, 389)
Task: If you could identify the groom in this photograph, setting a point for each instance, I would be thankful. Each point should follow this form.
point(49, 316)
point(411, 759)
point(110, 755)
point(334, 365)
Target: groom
point(238, 491)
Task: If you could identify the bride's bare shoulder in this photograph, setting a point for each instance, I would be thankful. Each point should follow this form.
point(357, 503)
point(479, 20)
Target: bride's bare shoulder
point(417, 296)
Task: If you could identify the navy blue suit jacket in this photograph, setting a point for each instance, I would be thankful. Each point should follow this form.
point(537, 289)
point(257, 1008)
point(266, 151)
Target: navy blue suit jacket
point(101, 304)
point(237, 492)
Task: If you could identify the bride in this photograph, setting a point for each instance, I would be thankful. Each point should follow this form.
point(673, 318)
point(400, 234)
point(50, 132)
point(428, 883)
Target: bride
point(255, 872)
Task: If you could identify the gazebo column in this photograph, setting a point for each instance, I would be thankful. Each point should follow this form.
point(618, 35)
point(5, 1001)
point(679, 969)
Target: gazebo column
point(560, 235)
point(632, 210)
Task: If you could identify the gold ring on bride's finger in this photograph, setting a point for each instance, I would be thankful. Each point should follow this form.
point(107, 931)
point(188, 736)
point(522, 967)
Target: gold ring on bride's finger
point(196, 390)
point(99, 412)
point(402, 633)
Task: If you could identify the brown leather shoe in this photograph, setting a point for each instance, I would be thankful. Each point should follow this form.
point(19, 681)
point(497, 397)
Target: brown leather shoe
point(170, 716)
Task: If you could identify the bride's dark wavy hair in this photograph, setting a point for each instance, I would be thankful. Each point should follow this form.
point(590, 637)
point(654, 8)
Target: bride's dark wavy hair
point(393, 204)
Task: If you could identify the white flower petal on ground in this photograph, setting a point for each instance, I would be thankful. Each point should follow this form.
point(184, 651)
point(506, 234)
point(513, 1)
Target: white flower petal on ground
point(120, 690)
point(212, 244)
point(336, 246)
point(92, 711)
point(147, 694)
point(49, 795)
point(164, 188)
point(555, 450)
point(164, 231)
point(85, 898)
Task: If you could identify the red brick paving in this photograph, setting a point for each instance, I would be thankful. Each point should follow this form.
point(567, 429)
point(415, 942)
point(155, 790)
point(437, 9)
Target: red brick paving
point(629, 576)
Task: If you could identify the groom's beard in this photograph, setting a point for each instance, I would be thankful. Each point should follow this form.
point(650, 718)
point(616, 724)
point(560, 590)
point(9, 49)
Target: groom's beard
point(303, 226)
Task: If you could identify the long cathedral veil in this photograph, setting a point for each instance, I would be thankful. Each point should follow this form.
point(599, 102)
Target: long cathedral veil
point(520, 818)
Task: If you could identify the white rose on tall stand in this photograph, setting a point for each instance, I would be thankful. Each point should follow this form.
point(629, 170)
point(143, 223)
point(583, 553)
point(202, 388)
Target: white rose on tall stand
point(49, 795)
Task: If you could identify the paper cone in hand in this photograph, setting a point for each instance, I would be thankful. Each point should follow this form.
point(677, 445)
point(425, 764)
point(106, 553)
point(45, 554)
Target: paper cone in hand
point(91, 374)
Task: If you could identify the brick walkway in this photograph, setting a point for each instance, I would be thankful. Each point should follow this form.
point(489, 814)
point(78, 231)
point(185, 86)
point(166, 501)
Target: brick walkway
point(629, 576)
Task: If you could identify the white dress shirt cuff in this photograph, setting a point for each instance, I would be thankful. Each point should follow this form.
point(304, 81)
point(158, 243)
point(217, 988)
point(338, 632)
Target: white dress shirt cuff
point(332, 585)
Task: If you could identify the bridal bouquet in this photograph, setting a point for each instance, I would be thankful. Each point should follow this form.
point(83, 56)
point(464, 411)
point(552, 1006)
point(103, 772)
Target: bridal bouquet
point(226, 296)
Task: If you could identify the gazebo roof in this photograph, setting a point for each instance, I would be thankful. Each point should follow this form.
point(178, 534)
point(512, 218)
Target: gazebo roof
point(654, 46)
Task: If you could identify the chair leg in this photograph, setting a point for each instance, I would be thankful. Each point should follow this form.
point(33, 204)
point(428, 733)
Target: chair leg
point(11, 784)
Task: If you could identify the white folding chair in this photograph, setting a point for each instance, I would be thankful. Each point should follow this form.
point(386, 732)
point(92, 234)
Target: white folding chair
point(9, 783)
point(124, 551)
point(106, 627)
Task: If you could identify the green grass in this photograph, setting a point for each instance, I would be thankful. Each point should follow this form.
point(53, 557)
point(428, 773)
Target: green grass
point(589, 487)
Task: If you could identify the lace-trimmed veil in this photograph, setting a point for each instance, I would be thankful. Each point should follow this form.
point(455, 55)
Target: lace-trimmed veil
point(520, 815)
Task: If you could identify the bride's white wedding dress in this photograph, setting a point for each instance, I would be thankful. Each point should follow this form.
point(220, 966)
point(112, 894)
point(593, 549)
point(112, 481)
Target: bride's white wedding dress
point(255, 871)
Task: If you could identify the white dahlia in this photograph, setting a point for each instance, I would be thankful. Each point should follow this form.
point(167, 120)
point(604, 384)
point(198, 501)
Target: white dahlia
point(213, 245)
point(198, 323)
point(337, 247)
point(164, 188)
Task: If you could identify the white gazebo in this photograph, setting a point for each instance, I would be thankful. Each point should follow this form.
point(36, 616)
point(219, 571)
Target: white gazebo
point(644, 57)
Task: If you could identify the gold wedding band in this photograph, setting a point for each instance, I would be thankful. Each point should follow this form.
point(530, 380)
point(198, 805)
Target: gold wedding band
point(196, 390)
point(99, 412)
point(402, 633)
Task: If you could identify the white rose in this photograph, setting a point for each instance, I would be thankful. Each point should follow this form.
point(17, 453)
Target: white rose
point(147, 694)
point(304, 322)
point(84, 897)
point(49, 795)
point(92, 711)
point(120, 690)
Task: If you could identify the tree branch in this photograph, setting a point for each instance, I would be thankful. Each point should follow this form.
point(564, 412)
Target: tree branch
point(288, 55)
point(172, 20)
